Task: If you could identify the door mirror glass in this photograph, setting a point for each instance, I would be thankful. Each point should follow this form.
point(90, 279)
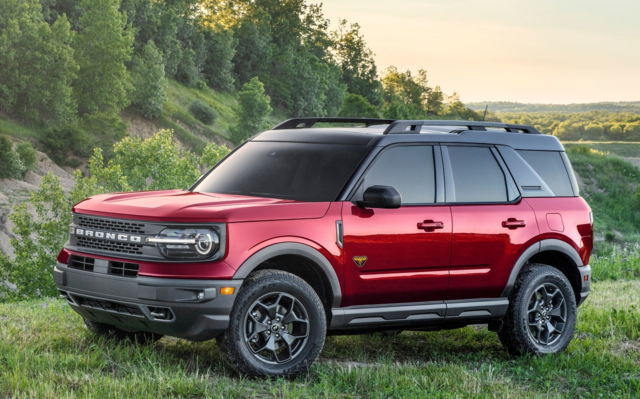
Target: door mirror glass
point(380, 197)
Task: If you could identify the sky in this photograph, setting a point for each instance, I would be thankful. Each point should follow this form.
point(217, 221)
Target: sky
point(529, 51)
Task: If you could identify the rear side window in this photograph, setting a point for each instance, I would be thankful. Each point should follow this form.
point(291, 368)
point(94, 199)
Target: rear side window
point(551, 168)
point(477, 177)
point(410, 170)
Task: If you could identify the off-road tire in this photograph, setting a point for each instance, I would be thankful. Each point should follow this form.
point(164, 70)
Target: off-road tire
point(233, 344)
point(516, 335)
point(112, 332)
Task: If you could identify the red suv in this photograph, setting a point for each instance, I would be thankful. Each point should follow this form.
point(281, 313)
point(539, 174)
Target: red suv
point(303, 232)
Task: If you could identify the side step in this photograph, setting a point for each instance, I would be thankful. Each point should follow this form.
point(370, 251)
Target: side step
point(462, 311)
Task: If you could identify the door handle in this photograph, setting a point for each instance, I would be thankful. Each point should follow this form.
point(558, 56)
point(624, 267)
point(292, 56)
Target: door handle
point(513, 223)
point(430, 225)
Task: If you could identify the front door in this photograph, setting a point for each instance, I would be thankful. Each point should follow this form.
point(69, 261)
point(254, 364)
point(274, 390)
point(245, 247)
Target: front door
point(398, 255)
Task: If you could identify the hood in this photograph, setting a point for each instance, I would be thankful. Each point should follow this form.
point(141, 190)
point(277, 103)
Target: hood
point(187, 206)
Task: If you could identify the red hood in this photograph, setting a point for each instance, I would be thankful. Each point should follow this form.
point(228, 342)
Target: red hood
point(186, 206)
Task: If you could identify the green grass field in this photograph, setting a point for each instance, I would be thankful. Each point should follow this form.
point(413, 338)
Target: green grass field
point(46, 352)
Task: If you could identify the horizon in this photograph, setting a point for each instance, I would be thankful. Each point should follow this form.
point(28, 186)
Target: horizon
point(571, 52)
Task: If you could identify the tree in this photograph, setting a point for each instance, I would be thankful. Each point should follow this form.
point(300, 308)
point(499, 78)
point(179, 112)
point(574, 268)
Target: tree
point(359, 70)
point(28, 155)
point(36, 65)
point(435, 102)
point(357, 106)
point(103, 46)
point(149, 82)
point(220, 50)
point(254, 107)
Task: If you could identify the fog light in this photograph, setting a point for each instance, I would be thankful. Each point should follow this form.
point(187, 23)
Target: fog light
point(227, 290)
point(201, 295)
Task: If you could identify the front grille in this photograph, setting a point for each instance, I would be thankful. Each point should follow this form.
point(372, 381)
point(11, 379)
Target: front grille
point(124, 269)
point(113, 246)
point(81, 263)
point(108, 306)
point(111, 225)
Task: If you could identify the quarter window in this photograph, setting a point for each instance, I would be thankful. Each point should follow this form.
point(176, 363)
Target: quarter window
point(410, 170)
point(477, 177)
point(550, 167)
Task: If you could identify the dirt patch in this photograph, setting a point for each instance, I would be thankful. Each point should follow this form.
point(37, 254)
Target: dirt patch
point(139, 126)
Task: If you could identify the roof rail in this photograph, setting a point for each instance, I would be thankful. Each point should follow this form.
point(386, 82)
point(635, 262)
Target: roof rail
point(301, 123)
point(400, 127)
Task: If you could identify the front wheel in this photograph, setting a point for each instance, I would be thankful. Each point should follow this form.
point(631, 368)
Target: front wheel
point(542, 312)
point(277, 326)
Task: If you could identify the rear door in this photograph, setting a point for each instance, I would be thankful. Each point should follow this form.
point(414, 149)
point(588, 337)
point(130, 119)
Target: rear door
point(491, 224)
point(399, 255)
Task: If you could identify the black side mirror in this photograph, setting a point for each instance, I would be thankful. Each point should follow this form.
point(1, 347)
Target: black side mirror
point(380, 197)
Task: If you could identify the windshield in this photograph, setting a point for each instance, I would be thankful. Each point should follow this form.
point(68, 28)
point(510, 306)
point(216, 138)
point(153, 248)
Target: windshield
point(296, 171)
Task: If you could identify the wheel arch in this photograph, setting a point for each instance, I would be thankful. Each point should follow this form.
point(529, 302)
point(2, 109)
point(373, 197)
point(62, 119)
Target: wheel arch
point(316, 269)
point(551, 252)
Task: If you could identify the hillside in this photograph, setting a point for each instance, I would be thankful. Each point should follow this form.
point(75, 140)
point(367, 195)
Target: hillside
point(515, 107)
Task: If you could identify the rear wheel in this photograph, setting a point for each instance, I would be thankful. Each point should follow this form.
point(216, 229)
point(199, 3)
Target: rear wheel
point(112, 332)
point(277, 326)
point(542, 312)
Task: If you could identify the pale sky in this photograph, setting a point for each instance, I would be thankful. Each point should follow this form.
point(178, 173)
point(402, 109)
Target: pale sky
point(535, 51)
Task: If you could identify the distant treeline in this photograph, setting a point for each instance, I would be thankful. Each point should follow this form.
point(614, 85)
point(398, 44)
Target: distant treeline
point(506, 106)
point(593, 125)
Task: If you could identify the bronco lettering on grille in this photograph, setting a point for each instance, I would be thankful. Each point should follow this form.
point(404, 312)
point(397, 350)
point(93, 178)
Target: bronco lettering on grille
point(108, 236)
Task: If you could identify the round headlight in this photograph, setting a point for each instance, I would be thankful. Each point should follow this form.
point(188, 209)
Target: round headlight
point(204, 244)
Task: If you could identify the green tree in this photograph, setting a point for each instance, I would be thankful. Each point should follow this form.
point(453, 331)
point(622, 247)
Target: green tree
point(359, 70)
point(435, 102)
point(357, 106)
point(220, 50)
point(104, 44)
point(149, 82)
point(253, 109)
point(36, 65)
point(212, 154)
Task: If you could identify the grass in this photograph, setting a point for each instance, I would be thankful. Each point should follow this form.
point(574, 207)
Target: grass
point(46, 352)
point(620, 148)
point(609, 184)
point(19, 131)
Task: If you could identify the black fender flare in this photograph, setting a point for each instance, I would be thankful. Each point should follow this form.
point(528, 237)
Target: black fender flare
point(540, 246)
point(293, 248)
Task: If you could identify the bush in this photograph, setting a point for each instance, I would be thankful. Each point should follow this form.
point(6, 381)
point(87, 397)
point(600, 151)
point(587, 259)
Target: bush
point(356, 106)
point(60, 142)
point(201, 111)
point(10, 164)
point(28, 155)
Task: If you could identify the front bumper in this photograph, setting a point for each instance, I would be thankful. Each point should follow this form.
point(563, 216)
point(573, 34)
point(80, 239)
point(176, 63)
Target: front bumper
point(585, 279)
point(164, 306)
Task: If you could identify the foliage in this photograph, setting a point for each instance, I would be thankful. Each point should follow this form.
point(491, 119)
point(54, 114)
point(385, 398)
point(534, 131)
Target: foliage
point(31, 269)
point(218, 66)
point(102, 47)
point(10, 164)
point(359, 70)
point(203, 112)
point(28, 155)
point(592, 125)
point(514, 107)
point(37, 65)
point(254, 107)
point(212, 154)
point(357, 106)
point(102, 129)
point(149, 82)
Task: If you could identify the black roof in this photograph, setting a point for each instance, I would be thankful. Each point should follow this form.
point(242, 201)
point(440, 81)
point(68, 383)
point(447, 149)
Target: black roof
point(383, 132)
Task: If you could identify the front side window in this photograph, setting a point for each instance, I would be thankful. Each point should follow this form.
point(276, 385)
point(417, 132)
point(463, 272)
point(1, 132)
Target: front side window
point(477, 177)
point(296, 171)
point(410, 170)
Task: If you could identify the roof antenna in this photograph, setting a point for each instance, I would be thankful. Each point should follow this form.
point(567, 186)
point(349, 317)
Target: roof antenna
point(485, 112)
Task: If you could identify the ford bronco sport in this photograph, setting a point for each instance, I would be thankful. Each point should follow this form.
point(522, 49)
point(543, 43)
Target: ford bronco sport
point(302, 232)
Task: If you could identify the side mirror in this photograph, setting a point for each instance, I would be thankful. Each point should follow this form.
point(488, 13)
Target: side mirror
point(380, 197)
